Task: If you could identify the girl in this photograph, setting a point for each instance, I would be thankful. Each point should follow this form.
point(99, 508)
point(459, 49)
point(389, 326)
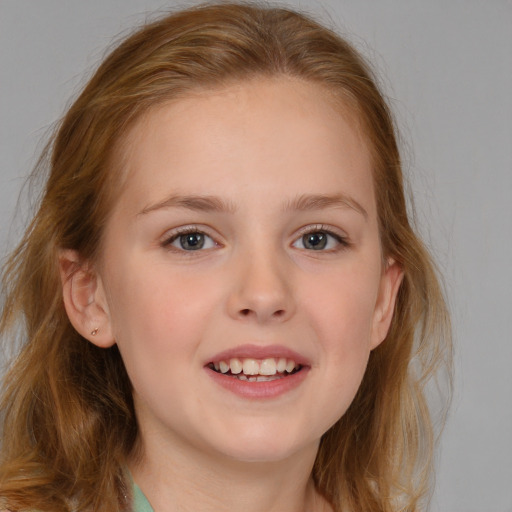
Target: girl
point(224, 305)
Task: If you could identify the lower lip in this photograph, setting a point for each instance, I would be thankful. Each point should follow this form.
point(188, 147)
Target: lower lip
point(259, 390)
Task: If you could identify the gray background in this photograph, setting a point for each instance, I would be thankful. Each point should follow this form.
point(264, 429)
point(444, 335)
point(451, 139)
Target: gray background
point(446, 65)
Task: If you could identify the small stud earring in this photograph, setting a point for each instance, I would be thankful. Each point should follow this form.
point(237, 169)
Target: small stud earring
point(94, 332)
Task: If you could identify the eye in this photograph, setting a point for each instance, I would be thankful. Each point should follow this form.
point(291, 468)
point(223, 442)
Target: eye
point(190, 240)
point(320, 240)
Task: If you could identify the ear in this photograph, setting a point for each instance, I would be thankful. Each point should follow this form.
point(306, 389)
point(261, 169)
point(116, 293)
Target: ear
point(85, 300)
point(391, 279)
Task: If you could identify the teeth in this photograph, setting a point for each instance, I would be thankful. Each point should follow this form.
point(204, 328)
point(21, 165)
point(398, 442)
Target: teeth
point(268, 367)
point(268, 378)
point(281, 365)
point(236, 366)
point(253, 367)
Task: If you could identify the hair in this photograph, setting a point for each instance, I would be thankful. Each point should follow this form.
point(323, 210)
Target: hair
point(68, 418)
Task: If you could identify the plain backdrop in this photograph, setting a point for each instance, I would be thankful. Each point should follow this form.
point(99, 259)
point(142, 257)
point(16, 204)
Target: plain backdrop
point(446, 67)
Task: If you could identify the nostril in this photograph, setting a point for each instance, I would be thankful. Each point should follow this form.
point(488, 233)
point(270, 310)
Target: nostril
point(262, 315)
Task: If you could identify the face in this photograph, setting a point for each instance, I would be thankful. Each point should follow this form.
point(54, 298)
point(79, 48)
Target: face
point(242, 275)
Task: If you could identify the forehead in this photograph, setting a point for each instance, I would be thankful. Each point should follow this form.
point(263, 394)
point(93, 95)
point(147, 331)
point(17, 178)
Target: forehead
point(280, 129)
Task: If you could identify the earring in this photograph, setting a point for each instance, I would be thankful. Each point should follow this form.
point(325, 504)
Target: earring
point(94, 332)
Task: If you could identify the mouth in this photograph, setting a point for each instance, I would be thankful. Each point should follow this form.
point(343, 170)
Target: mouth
point(256, 370)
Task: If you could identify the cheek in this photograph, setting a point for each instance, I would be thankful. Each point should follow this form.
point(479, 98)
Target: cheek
point(341, 313)
point(342, 305)
point(149, 297)
point(154, 315)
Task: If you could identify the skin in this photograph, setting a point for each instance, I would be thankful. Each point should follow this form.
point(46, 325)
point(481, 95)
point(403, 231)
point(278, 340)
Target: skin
point(256, 147)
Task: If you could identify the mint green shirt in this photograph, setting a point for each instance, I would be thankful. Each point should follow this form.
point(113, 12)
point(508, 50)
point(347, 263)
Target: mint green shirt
point(140, 502)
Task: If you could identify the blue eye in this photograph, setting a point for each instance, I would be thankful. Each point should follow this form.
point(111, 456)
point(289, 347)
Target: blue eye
point(320, 240)
point(190, 241)
point(315, 241)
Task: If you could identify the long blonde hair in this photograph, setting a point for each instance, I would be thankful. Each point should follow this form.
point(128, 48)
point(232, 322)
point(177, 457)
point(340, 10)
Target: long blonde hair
point(68, 417)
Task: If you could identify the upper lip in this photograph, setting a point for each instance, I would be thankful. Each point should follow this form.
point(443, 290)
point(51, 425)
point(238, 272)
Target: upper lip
point(259, 352)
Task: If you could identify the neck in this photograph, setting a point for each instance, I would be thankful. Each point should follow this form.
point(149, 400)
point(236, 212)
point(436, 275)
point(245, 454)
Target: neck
point(189, 480)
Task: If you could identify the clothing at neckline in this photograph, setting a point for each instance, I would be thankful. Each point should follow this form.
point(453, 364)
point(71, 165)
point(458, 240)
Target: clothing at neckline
point(140, 502)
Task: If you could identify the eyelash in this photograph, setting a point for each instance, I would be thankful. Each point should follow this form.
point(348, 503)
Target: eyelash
point(341, 241)
point(168, 241)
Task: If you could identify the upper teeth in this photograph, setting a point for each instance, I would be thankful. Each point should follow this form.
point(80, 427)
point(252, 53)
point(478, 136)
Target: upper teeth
point(249, 366)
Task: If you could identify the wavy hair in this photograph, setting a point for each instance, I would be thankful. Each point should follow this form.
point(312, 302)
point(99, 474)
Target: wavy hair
point(68, 417)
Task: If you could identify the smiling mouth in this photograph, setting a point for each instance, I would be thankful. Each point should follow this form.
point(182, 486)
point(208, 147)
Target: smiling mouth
point(256, 370)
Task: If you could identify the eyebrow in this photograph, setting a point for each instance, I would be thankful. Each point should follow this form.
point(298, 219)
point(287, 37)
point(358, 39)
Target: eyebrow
point(196, 203)
point(308, 202)
point(304, 202)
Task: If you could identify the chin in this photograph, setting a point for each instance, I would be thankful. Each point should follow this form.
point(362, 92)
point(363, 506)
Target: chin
point(260, 455)
point(265, 445)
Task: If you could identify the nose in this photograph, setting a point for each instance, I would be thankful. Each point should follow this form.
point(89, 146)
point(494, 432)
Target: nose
point(261, 290)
